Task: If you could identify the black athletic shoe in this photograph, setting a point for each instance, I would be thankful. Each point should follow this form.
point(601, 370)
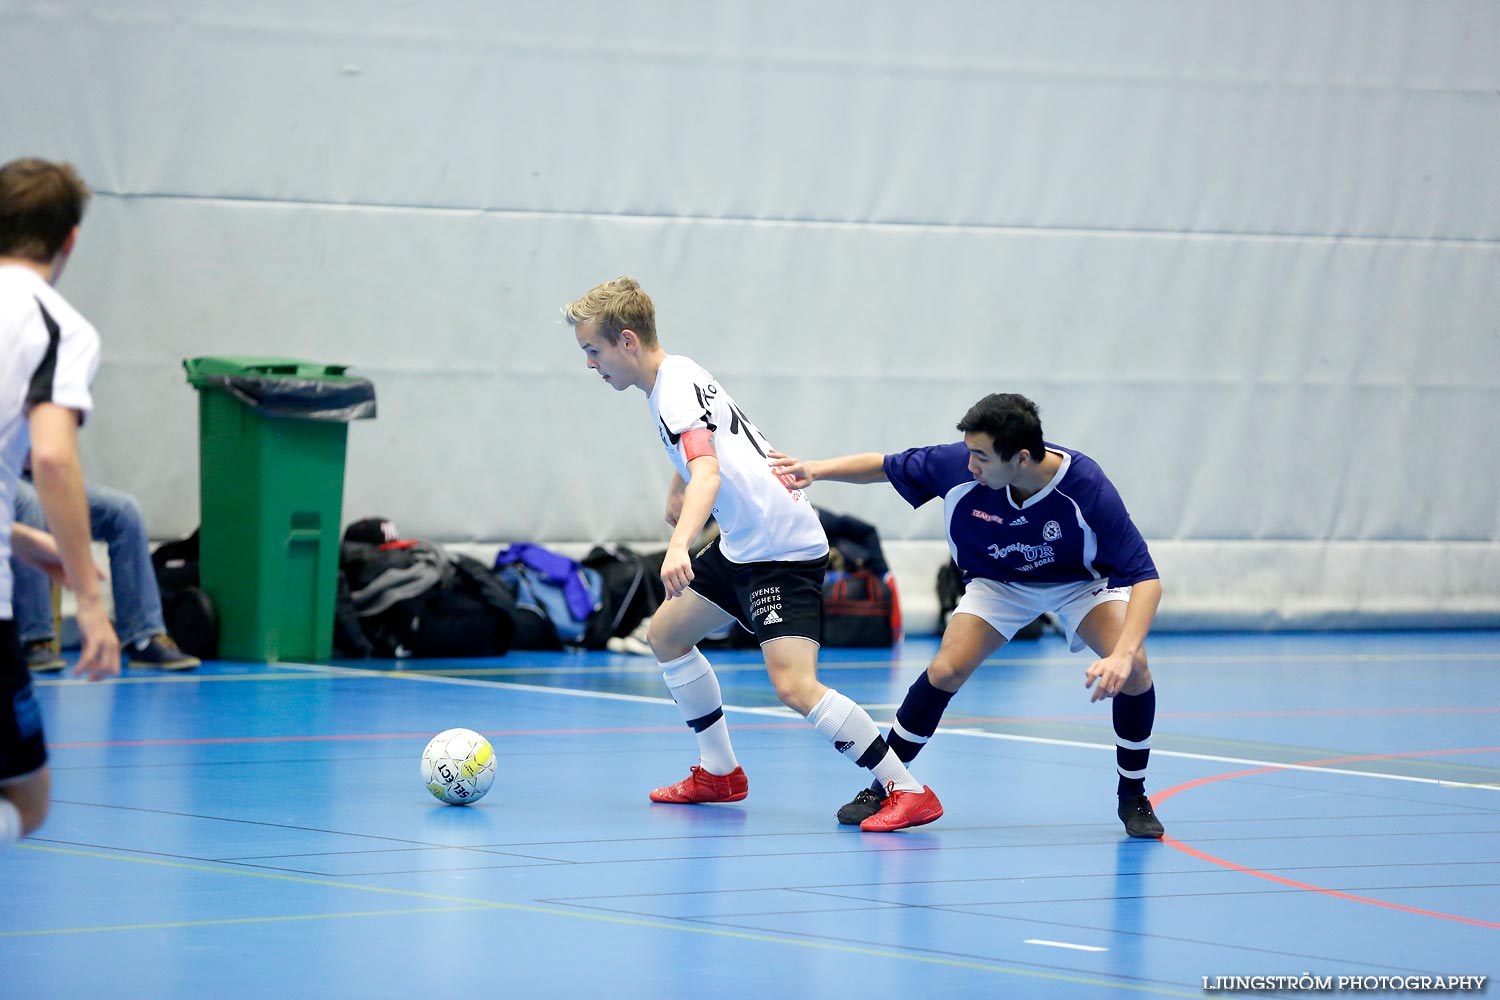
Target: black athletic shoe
point(1139, 820)
point(866, 804)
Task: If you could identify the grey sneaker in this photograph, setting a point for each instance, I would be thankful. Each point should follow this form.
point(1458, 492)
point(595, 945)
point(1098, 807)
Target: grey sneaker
point(866, 804)
point(42, 658)
point(160, 651)
point(1140, 821)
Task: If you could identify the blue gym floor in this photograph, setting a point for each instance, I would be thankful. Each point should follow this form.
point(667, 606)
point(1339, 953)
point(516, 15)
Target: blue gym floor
point(1332, 805)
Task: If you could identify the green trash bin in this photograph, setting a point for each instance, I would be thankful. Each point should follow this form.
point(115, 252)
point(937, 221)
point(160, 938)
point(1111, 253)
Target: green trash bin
point(272, 435)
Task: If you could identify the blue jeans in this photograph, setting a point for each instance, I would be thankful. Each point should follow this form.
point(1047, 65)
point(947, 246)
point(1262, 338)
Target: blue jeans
point(115, 519)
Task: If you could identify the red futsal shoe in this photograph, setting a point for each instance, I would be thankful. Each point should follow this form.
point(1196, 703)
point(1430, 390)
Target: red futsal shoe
point(904, 809)
point(700, 786)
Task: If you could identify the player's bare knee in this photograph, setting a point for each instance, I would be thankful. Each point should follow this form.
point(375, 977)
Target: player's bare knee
point(796, 684)
point(946, 675)
point(800, 694)
point(664, 644)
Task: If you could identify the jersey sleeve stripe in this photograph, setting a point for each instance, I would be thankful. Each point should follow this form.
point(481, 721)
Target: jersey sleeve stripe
point(40, 389)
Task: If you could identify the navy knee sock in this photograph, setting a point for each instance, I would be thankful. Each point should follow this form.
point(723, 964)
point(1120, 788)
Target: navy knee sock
point(917, 718)
point(1134, 715)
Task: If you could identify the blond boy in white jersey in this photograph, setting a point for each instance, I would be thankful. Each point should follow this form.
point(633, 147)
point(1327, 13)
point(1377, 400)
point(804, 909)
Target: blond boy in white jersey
point(765, 571)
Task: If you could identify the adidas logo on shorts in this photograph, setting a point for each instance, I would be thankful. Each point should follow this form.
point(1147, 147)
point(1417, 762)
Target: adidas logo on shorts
point(772, 618)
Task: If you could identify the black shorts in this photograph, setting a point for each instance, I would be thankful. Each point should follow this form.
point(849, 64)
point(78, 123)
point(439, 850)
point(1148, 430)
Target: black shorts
point(769, 599)
point(23, 748)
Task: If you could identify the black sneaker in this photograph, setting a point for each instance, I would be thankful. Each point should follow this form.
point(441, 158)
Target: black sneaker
point(42, 658)
point(866, 804)
point(1139, 820)
point(160, 651)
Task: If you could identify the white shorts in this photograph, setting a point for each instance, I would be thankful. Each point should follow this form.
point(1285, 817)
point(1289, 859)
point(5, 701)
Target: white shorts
point(1010, 607)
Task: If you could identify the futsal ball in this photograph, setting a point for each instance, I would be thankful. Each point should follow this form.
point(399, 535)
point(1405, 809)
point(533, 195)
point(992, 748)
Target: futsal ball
point(458, 766)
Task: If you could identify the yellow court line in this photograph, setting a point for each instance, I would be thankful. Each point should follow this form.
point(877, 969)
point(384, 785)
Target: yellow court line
point(300, 675)
point(465, 903)
point(242, 920)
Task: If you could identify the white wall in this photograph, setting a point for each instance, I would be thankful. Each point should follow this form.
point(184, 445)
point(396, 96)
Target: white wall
point(1243, 254)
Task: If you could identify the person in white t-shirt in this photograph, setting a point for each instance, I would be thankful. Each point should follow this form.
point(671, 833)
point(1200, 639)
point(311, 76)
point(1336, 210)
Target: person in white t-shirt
point(48, 356)
point(765, 570)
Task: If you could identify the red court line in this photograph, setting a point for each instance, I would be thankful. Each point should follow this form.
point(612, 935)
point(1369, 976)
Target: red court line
point(1161, 797)
point(408, 736)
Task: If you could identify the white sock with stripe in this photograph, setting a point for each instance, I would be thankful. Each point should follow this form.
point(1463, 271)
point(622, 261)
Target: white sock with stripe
point(695, 688)
point(854, 734)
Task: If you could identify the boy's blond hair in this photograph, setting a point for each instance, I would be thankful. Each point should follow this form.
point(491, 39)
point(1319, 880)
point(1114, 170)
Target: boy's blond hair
point(616, 306)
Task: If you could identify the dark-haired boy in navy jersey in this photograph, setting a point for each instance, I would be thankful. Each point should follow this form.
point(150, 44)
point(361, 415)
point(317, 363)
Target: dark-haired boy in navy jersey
point(1035, 528)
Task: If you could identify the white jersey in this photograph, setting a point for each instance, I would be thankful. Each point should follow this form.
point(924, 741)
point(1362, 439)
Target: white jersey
point(48, 354)
point(761, 518)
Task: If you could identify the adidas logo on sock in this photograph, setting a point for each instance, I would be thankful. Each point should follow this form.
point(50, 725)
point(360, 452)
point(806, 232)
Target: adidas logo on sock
point(843, 746)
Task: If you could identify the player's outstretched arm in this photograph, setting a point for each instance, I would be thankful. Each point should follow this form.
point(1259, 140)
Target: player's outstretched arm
point(867, 467)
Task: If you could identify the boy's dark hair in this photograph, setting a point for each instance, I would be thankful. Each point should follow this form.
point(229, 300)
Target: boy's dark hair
point(1011, 419)
point(40, 204)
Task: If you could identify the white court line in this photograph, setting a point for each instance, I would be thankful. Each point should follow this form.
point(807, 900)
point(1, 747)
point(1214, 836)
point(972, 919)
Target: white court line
point(782, 711)
point(1064, 944)
point(778, 710)
point(982, 734)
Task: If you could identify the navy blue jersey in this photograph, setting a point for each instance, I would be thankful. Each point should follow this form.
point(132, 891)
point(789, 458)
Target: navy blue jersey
point(1075, 528)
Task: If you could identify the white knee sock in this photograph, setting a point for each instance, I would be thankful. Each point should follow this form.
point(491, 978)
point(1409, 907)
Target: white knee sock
point(854, 734)
point(10, 823)
point(695, 688)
